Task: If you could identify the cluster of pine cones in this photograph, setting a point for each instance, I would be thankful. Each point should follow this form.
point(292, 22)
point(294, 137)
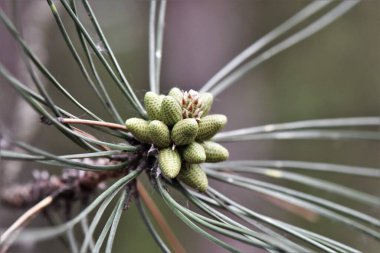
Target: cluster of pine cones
point(180, 129)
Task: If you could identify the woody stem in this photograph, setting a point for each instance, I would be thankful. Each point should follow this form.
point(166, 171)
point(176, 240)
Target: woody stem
point(8, 235)
point(92, 122)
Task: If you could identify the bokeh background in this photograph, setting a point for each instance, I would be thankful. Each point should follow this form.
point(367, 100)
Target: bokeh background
point(332, 74)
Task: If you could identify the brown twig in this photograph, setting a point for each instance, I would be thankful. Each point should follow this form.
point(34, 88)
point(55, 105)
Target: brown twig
point(92, 122)
point(159, 218)
point(22, 221)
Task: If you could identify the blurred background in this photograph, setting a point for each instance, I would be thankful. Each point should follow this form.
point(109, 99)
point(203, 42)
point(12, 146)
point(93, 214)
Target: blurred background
point(332, 74)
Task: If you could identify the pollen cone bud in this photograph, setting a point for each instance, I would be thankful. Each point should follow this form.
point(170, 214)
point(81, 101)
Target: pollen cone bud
point(171, 111)
point(159, 134)
point(210, 125)
point(170, 162)
point(194, 176)
point(176, 93)
point(139, 129)
point(152, 103)
point(184, 131)
point(206, 99)
point(194, 153)
point(215, 152)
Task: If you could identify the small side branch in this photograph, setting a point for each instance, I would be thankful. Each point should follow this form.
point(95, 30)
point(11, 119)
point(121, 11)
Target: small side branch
point(92, 122)
point(22, 221)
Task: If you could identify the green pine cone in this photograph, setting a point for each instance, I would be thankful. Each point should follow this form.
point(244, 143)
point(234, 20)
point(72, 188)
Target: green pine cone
point(194, 153)
point(185, 131)
point(215, 152)
point(176, 93)
point(152, 103)
point(171, 111)
point(159, 134)
point(170, 162)
point(193, 176)
point(207, 99)
point(139, 129)
point(210, 125)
